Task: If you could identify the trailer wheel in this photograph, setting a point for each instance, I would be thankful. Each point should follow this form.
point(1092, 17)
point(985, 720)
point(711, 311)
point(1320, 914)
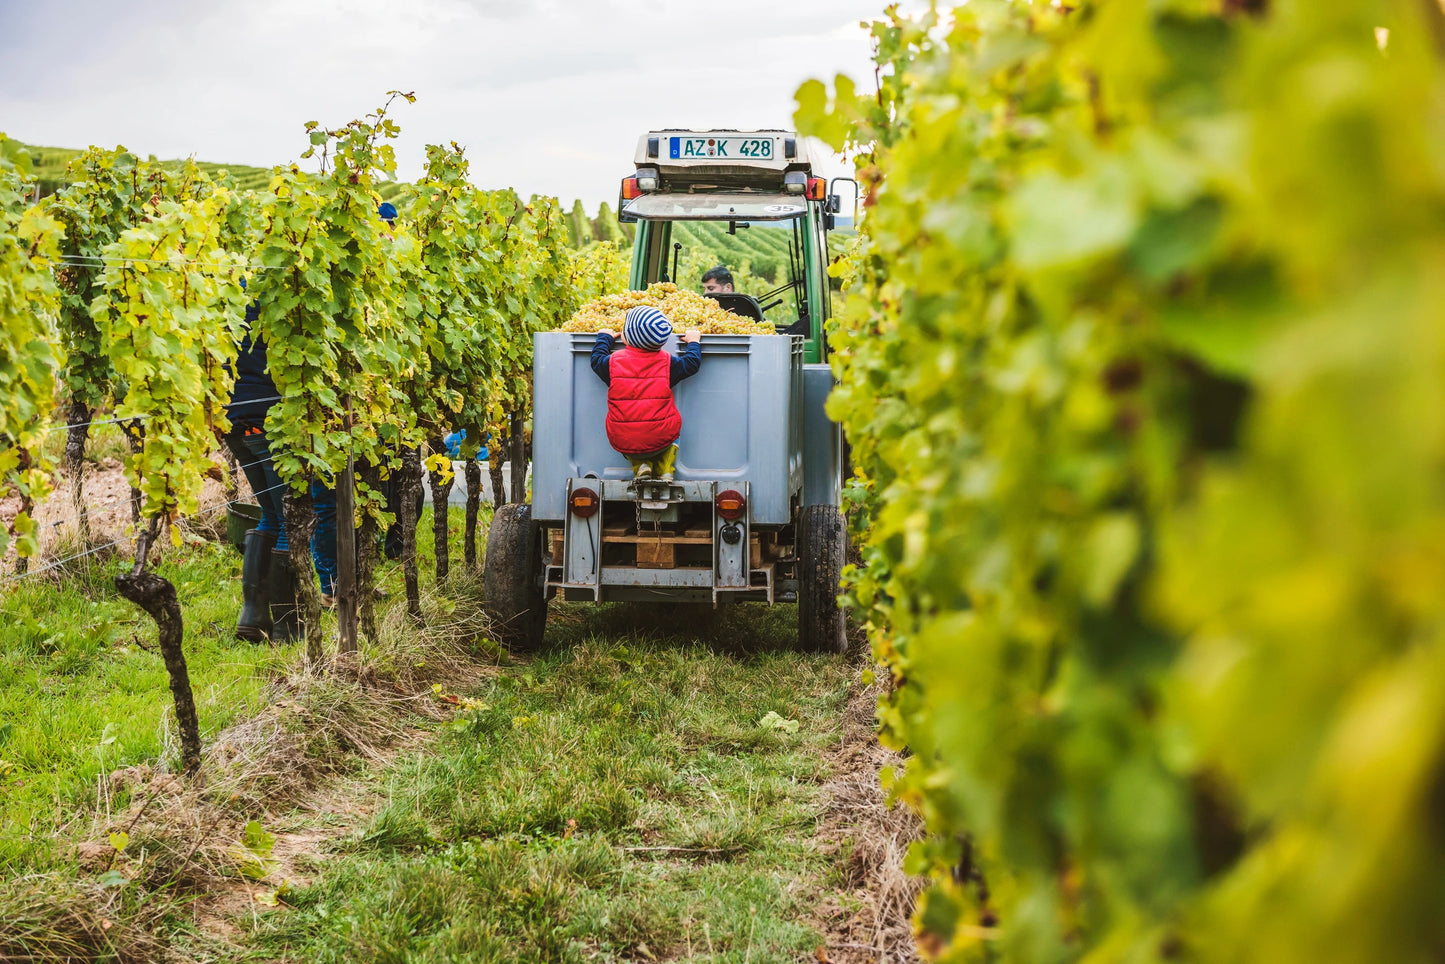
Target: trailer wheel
point(512, 580)
point(822, 553)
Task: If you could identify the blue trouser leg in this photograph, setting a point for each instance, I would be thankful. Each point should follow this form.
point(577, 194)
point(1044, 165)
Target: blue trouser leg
point(253, 453)
point(323, 539)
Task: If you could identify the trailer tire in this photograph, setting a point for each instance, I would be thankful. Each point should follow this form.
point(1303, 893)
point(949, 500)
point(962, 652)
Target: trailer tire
point(822, 553)
point(512, 579)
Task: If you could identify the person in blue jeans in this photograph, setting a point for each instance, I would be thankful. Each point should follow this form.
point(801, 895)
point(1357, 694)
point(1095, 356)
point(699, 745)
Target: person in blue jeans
point(268, 588)
point(323, 538)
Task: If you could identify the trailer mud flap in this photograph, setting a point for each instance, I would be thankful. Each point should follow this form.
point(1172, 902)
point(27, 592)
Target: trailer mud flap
point(582, 547)
point(731, 553)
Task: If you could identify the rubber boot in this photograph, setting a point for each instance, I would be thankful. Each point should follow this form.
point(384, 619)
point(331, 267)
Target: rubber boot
point(285, 614)
point(666, 463)
point(641, 468)
point(254, 623)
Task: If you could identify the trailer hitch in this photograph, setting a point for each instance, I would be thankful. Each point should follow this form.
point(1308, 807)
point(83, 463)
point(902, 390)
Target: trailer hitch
point(656, 500)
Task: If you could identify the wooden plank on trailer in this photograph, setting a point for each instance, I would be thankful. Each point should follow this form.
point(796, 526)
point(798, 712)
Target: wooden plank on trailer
point(665, 537)
point(656, 555)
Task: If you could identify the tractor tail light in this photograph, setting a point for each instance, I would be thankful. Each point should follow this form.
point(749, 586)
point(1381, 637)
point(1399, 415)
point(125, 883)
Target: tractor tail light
point(630, 188)
point(731, 504)
point(584, 503)
point(817, 188)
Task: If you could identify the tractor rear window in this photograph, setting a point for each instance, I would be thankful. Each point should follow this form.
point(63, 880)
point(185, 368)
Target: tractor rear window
point(716, 207)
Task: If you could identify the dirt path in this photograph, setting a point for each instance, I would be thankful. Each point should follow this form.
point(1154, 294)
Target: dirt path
point(868, 923)
point(107, 504)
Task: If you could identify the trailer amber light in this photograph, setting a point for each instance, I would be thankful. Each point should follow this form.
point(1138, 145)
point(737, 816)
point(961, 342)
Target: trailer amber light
point(630, 188)
point(584, 503)
point(730, 504)
point(817, 188)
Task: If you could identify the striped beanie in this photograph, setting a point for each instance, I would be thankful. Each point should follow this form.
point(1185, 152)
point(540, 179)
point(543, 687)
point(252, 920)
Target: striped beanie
point(646, 328)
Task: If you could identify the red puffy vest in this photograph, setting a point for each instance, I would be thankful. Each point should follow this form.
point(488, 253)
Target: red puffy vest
point(641, 415)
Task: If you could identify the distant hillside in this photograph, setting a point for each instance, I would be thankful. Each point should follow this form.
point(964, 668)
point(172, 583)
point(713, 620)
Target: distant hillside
point(49, 167)
point(763, 250)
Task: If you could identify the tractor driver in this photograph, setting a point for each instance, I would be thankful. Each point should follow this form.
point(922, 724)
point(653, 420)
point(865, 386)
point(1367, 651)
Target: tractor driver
point(717, 280)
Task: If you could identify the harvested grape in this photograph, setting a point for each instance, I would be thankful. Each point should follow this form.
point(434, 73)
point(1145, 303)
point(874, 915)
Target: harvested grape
point(684, 309)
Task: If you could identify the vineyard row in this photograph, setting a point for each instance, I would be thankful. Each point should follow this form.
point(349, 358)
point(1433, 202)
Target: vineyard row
point(1141, 368)
point(128, 291)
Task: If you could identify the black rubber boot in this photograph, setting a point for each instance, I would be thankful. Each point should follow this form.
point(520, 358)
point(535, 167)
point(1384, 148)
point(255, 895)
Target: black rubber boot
point(285, 614)
point(254, 623)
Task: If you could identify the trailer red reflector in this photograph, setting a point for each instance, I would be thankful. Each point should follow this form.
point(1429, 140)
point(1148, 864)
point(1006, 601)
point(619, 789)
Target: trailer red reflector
point(631, 189)
point(731, 504)
point(584, 503)
point(817, 188)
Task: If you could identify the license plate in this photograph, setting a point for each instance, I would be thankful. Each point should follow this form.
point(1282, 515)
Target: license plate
point(730, 148)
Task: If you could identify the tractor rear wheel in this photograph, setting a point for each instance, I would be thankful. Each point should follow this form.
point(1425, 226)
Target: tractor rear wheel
point(512, 580)
point(822, 553)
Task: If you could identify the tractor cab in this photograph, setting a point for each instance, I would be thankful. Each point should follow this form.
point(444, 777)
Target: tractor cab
point(753, 198)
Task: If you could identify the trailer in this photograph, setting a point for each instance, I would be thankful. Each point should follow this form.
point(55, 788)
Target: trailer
point(752, 512)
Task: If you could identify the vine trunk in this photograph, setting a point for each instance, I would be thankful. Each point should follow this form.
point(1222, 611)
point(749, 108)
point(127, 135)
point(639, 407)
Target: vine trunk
point(157, 597)
point(300, 524)
point(366, 535)
point(440, 493)
point(135, 434)
point(410, 489)
point(474, 505)
point(78, 418)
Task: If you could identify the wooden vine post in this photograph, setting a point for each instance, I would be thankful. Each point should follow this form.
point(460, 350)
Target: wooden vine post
point(346, 611)
point(518, 457)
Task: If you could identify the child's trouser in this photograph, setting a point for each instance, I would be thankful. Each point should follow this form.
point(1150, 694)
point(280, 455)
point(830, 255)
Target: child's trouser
point(661, 462)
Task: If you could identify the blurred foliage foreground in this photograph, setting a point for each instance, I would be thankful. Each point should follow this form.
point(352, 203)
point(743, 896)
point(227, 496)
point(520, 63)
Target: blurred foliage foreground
point(1143, 374)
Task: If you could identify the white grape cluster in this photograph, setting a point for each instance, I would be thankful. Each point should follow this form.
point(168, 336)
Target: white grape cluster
point(684, 309)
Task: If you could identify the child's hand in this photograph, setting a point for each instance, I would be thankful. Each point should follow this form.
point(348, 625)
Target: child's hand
point(691, 335)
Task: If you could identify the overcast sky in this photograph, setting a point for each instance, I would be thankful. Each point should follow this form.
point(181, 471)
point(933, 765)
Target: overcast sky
point(547, 96)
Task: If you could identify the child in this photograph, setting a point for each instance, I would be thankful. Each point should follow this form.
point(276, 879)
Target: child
point(642, 419)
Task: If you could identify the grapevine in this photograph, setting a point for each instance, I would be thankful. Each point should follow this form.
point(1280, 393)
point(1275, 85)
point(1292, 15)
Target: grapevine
point(107, 194)
point(331, 316)
point(171, 329)
point(1135, 375)
point(29, 350)
point(535, 296)
point(598, 269)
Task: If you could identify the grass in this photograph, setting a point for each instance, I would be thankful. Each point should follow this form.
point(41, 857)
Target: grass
point(618, 798)
point(83, 691)
point(624, 795)
point(105, 442)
